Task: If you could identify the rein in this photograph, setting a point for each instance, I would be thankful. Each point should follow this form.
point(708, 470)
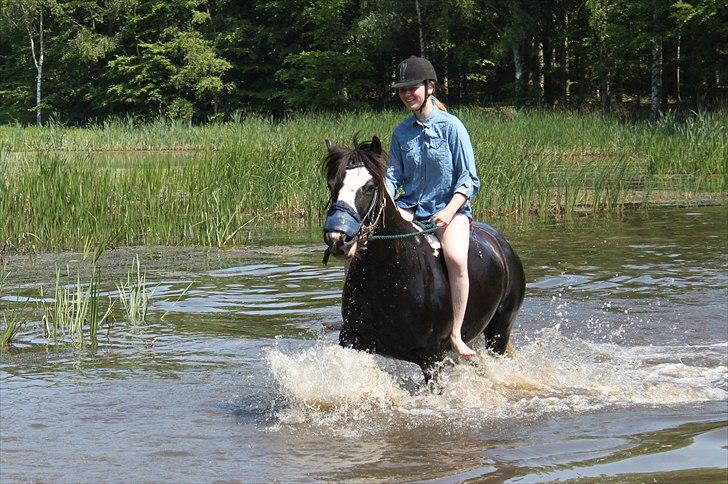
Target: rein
point(366, 232)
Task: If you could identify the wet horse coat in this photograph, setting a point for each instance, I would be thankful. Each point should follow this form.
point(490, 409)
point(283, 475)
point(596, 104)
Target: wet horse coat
point(396, 300)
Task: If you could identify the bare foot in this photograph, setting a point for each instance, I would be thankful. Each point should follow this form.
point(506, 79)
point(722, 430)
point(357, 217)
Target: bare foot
point(459, 347)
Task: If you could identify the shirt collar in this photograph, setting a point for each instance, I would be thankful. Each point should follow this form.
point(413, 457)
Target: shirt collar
point(428, 121)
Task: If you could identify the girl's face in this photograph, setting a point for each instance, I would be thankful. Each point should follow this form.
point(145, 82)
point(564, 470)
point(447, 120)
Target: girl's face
point(413, 96)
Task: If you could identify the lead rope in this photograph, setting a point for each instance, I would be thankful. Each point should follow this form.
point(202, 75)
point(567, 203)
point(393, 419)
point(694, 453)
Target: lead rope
point(427, 228)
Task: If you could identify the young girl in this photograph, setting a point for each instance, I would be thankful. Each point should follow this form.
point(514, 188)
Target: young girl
point(432, 160)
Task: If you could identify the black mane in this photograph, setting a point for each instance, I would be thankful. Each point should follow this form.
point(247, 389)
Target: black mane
point(339, 158)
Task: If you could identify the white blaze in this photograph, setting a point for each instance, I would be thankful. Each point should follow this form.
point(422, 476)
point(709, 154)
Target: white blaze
point(354, 179)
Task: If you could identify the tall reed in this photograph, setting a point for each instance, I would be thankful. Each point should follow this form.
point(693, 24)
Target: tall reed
point(75, 312)
point(257, 170)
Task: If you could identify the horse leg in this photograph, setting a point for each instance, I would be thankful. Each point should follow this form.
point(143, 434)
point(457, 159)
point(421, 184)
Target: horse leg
point(431, 364)
point(498, 332)
point(348, 338)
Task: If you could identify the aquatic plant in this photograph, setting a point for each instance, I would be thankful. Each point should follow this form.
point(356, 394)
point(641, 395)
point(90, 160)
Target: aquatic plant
point(75, 311)
point(135, 295)
point(11, 326)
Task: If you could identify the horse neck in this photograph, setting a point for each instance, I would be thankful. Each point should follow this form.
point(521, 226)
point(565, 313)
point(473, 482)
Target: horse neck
point(392, 222)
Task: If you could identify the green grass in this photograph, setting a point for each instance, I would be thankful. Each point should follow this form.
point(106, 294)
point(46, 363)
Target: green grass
point(10, 328)
point(11, 324)
point(57, 192)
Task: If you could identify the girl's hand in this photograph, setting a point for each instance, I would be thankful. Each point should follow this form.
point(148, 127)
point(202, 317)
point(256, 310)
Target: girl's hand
point(442, 218)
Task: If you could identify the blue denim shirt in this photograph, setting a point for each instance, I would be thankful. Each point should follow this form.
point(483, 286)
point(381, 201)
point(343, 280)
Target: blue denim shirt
point(431, 161)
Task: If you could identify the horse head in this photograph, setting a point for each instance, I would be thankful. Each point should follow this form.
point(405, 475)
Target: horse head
point(356, 194)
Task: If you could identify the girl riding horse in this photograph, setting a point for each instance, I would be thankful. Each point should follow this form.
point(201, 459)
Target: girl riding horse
point(432, 161)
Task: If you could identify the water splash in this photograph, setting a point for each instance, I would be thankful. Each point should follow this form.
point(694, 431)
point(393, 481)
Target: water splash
point(343, 390)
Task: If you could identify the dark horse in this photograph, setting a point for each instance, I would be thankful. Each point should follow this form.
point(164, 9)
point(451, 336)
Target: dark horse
point(396, 299)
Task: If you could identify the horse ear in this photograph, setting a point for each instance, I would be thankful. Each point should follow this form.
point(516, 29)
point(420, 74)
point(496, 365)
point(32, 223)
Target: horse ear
point(376, 146)
point(329, 144)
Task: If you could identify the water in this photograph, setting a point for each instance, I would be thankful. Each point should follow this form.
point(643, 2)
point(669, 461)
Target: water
point(620, 374)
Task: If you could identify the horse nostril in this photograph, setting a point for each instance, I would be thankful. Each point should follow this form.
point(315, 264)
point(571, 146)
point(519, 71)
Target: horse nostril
point(332, 238)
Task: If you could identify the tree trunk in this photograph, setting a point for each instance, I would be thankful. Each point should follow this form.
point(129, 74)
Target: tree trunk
point(38, 61)
point(677, 73)
point(518, 65)
point(548, 69)
point(562, 58)
point(656, 91)
point(541, 65)
point(604, 80)
point(422, 32)
point(38, 116)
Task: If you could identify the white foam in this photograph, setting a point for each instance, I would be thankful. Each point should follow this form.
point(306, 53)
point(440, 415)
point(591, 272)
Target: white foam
point(328, 386)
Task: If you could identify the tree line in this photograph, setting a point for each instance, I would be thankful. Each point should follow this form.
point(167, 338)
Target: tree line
point(80, 61)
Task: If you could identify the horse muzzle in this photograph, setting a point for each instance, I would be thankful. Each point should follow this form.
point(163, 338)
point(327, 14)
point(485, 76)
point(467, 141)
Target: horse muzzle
point(341, 230)
point(341, 245)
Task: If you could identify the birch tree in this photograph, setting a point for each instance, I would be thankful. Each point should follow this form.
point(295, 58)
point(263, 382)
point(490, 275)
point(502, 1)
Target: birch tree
point(28, 16)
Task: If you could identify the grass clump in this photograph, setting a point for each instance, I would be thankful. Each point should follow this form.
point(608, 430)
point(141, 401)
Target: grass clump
point(135, 295)
point(10, 325)
point(10, 328)
point(76, 312)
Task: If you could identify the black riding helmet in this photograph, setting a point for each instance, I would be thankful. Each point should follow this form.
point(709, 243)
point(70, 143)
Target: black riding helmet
point(414, 70)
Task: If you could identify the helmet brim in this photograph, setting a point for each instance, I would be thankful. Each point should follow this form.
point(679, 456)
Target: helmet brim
point(397, 85)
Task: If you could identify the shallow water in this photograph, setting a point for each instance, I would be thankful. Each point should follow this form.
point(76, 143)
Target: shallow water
point(620, 374)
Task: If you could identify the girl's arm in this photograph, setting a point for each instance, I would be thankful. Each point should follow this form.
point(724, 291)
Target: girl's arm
point(395, 171)
point(444, 216)
point(467, 181)
point(463, 160)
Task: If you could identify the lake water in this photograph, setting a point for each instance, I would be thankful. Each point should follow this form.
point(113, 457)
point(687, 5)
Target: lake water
point(620, 373)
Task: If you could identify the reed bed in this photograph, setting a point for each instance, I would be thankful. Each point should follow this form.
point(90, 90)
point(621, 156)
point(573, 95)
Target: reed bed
point(56, 193)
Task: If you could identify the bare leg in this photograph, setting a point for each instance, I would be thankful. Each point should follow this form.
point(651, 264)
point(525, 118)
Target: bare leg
point(408, 215)
point(455, 239)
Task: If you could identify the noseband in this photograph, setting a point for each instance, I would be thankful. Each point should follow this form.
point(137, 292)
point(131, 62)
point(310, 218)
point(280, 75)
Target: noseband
point(341, 217)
